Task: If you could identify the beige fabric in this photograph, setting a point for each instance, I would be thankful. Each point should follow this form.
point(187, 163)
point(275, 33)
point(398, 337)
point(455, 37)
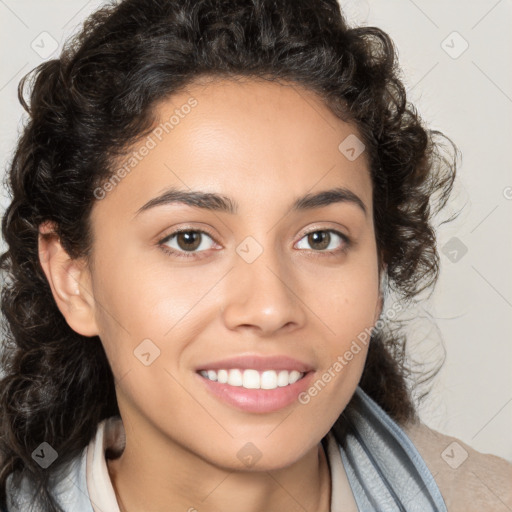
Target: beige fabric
point(342, 498)
point(470, 481)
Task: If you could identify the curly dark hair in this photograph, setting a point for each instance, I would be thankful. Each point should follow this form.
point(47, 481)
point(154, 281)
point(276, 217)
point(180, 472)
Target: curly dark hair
point(99, 97)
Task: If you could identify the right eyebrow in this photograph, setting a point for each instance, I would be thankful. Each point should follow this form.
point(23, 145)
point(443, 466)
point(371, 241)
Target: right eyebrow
point(195, 198)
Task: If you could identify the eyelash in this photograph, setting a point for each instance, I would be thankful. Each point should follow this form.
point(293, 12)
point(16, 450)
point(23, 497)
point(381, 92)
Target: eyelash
point(183, 254)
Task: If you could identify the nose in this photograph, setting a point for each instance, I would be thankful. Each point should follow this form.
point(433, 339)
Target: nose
point(263, 296)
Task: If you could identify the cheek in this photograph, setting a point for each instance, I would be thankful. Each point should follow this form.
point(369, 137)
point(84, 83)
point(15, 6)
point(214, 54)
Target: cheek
point(346, 300)
point(354, 310)
point(145, 299)
point(149, 308)
point(348, 315)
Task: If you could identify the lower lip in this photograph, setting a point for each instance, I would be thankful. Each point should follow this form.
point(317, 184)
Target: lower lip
point(258, 400)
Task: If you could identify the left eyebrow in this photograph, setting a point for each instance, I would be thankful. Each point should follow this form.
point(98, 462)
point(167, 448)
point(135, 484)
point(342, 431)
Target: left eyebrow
point(217, 202)
point(327, 197)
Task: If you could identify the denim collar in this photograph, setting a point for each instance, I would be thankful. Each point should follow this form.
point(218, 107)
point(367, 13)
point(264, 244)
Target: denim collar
point(384, 468)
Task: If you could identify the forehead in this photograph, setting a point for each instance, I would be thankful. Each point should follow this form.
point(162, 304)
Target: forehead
point(254, 140)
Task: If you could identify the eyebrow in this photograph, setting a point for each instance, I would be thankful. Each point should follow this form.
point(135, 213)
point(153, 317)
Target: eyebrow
point(221, 203)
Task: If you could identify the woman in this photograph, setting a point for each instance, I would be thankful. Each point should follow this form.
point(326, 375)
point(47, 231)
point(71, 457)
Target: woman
point(207, 205)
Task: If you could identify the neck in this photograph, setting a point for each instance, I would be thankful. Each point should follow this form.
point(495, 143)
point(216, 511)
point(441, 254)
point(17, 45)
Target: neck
point(190, 484)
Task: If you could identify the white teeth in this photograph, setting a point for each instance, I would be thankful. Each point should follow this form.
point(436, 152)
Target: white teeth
point(282, 378)
point(268, 380)
point(252, 379)
point(294, 376)
point(235, 377)
point(222, 376)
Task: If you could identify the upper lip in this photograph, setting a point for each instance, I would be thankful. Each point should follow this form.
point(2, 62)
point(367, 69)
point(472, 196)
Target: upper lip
point(257, 362)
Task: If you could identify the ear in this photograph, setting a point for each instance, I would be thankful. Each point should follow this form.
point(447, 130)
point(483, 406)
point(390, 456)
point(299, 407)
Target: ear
point(378, 309)
point(69, 280)
point(383, 288)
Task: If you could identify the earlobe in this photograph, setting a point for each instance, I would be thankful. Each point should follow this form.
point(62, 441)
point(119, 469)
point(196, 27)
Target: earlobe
point(69, 280)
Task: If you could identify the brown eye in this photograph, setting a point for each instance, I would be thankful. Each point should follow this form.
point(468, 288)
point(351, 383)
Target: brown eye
point(324, 240)
point(188, 240)
point(319, 240)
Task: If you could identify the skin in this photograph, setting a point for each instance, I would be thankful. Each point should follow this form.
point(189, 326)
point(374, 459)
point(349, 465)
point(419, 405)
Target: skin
point(264, 145)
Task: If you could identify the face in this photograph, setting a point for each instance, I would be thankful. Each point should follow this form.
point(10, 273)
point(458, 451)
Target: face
point(258, 279)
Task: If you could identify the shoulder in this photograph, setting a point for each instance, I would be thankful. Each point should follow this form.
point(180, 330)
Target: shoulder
point(468, 479)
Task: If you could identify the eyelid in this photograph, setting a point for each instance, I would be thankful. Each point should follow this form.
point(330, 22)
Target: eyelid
point(181, 229)
point(314, 228)
point(161, 243)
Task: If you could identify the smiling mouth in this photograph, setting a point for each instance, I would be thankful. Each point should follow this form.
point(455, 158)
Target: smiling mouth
point(253, 379)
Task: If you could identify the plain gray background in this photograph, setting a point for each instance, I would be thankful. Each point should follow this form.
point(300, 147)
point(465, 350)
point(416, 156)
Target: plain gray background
point(455, 57)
